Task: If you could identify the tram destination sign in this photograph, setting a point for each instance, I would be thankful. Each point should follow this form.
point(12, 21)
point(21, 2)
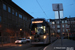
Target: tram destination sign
point(37, 22)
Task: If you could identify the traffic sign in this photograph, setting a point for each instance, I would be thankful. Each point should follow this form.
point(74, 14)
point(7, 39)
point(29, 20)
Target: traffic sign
point(55, 7)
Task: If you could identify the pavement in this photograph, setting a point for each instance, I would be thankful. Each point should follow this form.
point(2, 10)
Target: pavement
point(7, 44)
point(66, 45)
point(13, 46)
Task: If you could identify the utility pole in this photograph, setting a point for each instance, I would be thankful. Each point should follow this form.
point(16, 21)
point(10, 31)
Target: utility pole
point(58, 7)
point(60, 24)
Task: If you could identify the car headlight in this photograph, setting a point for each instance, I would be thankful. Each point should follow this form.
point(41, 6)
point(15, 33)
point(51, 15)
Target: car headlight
point(44, 37)
point(20, 41)
point(30, 37)
point(15, 41)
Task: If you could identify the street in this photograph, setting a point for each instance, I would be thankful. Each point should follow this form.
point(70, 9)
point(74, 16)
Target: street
point(26, 46)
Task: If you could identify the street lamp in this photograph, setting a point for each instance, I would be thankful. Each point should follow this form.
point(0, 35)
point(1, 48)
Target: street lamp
point(20, 29)
point(20, 32)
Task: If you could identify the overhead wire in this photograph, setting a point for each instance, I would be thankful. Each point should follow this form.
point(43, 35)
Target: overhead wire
point(41, 8)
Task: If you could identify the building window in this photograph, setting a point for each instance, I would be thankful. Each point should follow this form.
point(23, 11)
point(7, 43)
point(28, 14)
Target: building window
point(9, 10)
point(57, 22)
point(53, 26)
point(67, 30)
point(20, 16)
point(58, 26)
point(12, 11)
point(23, 18)
point(0, 18)
point(62, 25)
point(16, 13)
point(4, 6)
point(24, 25)
point(26, 18)
point(66, 25)
point(58, 30)
point(63, 30)
point(62, 21)
point(65, 21)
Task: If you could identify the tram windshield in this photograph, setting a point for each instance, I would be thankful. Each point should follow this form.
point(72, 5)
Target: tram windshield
point(38, 28)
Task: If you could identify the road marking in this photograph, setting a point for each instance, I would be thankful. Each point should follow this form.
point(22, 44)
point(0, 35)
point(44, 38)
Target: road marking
point(50, 44)
point(54, 43)
point(45, 48)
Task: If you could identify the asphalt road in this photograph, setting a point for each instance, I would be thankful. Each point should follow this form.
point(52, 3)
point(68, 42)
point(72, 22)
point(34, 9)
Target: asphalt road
point(26, 46)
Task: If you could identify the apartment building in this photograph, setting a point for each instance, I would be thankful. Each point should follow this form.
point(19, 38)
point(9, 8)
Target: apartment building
point(60, 28)
point(67, 26)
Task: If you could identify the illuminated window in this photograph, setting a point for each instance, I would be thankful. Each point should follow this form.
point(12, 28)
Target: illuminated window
point(4, 6)
point(20, 16)
point(9, 10)
point(53, 22)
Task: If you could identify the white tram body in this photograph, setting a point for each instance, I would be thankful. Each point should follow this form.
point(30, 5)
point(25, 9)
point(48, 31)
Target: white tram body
point(41, 32)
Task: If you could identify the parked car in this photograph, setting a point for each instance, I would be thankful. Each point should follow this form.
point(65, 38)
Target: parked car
point(21, 40)
point(28, 39)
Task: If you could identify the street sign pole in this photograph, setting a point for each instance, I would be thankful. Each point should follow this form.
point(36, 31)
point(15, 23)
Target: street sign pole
point(58, 7)
point(60, 24)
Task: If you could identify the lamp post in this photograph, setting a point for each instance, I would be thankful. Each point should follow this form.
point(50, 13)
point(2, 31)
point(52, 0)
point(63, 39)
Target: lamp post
point(20, 32)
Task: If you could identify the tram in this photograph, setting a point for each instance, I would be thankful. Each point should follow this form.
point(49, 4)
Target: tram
point(41, 32)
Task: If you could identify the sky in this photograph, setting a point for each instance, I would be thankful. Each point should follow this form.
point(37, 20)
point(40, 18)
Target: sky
point(43, 8)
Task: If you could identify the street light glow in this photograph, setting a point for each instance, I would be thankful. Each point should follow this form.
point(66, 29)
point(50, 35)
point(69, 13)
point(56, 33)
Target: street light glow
point(20, 29)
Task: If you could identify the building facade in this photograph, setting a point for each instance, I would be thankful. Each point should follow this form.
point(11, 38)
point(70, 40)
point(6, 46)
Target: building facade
point(14, 21)
point(67, 26)
point(60, 28)
point(72, 28)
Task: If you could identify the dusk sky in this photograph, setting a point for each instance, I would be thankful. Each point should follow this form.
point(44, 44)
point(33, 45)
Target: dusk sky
point(43, 8)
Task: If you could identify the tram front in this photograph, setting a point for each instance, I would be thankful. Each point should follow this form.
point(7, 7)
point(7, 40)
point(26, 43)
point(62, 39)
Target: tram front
point(38, 32)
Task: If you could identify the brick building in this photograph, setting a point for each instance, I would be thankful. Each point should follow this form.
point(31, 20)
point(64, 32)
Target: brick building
point(72, 28)
point(64, 26)
point(67, 26)
point(12, 19)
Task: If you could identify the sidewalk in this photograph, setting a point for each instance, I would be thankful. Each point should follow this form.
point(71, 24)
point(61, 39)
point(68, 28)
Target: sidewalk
point(7, 44)
point(67, 45)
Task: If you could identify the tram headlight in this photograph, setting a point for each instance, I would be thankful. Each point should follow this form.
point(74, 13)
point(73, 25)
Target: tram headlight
point(30, 37)
point(44, 37)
